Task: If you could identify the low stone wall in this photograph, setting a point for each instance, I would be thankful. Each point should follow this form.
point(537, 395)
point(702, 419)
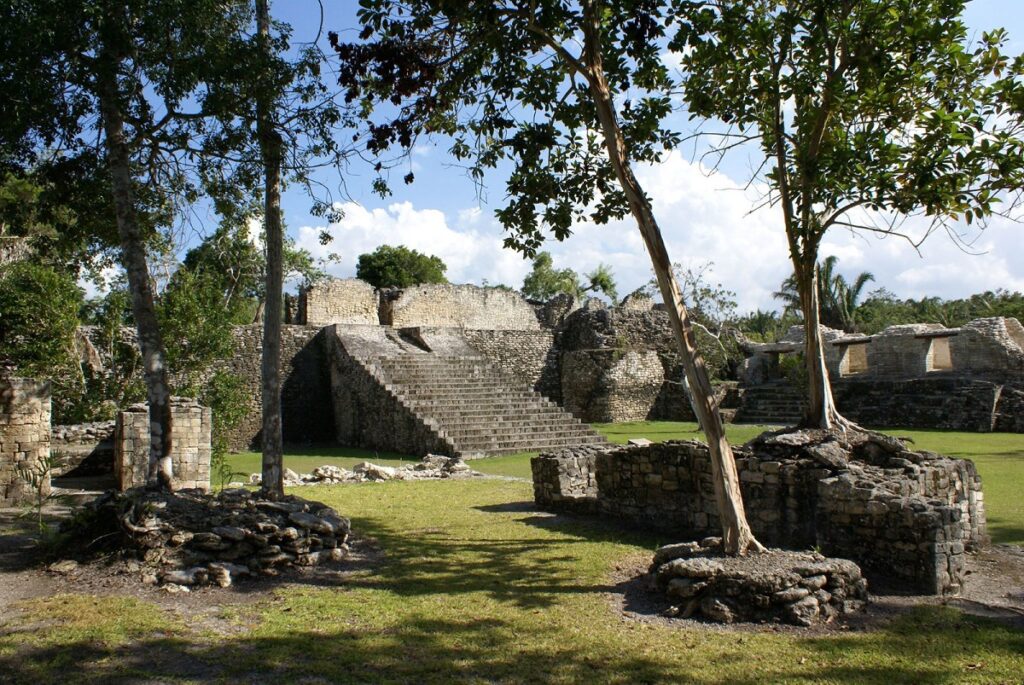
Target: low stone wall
point(85, 448)
point(458, 306)
point(910, 515)
point(24, 437)
point(191, 424)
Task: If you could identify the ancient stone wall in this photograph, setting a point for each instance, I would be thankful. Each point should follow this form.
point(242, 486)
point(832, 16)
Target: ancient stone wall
point(458, 306)
point(611, 386)
point(530, 357)
point(989, 346)
point(24, 438)
point(191, 425)
point(85, 448)
point(908, 514)
point(305, 386)
point(335, 300)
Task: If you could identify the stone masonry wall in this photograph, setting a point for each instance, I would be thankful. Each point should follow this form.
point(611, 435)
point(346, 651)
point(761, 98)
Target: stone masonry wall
point(611, 386)
point(24, 437)
point(526, 356)
point(334, 300)
point(305, 386)
point(191, 424)
point(458, 306)
point(909, 515)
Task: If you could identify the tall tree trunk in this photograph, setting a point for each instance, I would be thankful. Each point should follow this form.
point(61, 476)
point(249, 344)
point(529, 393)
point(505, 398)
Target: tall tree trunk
point(133, 258)
point(270, 148)
point(821, 407)
point(736, 534)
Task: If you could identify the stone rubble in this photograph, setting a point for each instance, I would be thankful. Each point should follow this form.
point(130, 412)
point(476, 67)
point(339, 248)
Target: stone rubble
point(191, 538)
point(433, 466)
point(800, 588)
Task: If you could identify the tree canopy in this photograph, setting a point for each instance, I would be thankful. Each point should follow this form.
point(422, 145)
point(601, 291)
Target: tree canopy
point(545, 281)
point(399, 267)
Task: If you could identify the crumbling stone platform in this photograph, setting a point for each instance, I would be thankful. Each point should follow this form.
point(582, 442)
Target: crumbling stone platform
point(801, 588)
point(908, 516)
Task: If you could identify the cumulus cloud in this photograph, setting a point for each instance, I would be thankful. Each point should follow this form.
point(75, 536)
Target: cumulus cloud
point(703, 218)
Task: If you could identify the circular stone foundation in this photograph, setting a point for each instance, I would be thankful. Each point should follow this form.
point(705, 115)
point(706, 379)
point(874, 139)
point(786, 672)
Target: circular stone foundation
point(801, 588)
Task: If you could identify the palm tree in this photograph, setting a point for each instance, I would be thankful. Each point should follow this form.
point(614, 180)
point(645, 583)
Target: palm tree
point(839, 298)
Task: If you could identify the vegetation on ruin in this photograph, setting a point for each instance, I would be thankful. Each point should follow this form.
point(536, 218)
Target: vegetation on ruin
point(474, 585)
point(545, 281)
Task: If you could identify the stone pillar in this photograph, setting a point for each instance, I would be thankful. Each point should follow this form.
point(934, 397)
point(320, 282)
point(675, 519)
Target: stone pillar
point(24, 438)
point(191, 425)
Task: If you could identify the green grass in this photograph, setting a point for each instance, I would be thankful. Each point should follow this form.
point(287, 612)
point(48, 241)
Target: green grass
point(305, 459)
point(477, 586)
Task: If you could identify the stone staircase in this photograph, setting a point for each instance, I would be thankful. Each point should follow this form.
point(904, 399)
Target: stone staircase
point(777, 402)
point(477, 410)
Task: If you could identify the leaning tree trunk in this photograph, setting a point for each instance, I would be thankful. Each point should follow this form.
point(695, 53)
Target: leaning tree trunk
point(736, 534)
point(270, 148)
point(133, 258)
point(821, 407)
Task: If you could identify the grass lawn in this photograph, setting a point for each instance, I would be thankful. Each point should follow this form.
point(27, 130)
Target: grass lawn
point(475, 585)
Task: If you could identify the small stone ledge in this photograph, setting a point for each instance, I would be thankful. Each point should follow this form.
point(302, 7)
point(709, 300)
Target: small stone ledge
point(800, 588)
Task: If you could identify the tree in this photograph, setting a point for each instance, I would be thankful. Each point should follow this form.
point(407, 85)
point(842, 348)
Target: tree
point(399, 267)
point(839, 299)
point(863, 110)
point(38, 319)
point(587, 115)
point(710, 304)
point(545, 281)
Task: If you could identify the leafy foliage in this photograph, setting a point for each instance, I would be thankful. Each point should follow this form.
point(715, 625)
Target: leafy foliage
point(839, 299)
point(38, 319)
point(399, 267)
point(545, 281)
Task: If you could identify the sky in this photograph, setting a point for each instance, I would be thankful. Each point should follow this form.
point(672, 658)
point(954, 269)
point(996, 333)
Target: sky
point(705, 216)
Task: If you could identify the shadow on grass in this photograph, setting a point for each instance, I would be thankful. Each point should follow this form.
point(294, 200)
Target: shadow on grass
point(1004, 531)
point(426, 650)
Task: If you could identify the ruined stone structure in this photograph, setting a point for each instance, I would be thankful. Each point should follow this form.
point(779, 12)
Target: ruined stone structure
point(908, 515)
point(915, 375)
point(191, 424)
point(24, 438)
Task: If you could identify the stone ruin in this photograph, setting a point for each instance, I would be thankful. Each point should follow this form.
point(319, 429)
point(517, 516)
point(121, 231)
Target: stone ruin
point(802, 588)
point(24, 440)
point(191, 426)
point(914, 375)
point(909, 516)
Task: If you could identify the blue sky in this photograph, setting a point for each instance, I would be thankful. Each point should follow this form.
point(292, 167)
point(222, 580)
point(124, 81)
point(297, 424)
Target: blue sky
point(704, 218)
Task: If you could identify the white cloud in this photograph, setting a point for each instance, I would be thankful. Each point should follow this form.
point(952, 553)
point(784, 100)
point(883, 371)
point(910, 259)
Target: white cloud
point(703, 218)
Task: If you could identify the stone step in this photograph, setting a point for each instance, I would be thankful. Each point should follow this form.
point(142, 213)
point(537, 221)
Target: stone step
point(464, 432)
point(501, 417)
point(530, 446)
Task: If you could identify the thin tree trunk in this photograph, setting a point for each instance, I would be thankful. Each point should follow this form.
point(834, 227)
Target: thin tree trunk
point(133, 258)
point(821, 407)
point(270, 148)
point(736, 534)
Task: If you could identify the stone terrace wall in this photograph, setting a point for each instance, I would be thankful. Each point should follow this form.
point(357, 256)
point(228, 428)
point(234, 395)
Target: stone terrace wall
point(191, 424)
point(910, 515)
point(334, 300)
point(458, 306)
point(24, 436)
point(85, 448)
point(526, 356)
point(305, 386)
